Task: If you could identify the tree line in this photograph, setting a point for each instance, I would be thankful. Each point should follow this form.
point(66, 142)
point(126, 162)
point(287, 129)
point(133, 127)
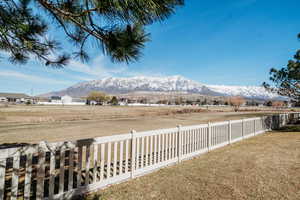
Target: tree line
point(100, 98)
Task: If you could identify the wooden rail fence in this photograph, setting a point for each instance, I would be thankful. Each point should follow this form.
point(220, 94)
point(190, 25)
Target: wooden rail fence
point(64, 169)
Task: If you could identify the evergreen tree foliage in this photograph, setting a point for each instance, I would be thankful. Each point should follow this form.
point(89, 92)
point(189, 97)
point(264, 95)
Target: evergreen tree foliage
point(114, 101)
point(117, 26)
point(286, 81)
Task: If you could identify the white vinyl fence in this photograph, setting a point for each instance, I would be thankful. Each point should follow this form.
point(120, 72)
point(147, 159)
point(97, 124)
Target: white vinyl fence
point(64, 169)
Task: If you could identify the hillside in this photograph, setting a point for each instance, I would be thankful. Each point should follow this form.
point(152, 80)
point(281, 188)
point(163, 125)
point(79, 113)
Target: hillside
point(162, 84)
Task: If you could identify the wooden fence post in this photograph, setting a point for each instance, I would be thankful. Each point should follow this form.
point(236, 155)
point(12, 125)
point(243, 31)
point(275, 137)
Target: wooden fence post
point(28, 173)
point(41, 171)
point(71, 169)
point(2, 176)
point(78, 166)
point(179, 143)
point(15, 176)
point(133, 149)
point(62, 159)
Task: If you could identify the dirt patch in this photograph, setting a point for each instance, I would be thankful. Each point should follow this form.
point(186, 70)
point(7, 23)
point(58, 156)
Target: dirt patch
point(32, 124)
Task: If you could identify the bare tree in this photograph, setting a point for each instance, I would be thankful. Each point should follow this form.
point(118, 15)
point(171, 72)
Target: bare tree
point(236, 102)
point(278, 104)
point(98, 97)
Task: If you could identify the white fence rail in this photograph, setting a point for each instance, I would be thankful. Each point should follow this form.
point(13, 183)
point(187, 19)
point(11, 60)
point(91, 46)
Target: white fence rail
point(64, 169)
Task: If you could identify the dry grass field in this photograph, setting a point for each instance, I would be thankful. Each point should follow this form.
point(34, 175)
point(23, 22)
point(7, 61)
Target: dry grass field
point(31, 124)
point(263, 167)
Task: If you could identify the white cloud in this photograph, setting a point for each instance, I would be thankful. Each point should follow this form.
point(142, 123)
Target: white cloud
point(32, 78)
point(75, 71)
point(98, 68)
point(81, 78)
point(101, 67)
point(4, 54)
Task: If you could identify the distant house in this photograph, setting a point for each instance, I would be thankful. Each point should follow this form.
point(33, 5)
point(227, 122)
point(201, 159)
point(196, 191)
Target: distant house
point(15, 97)
point(66, 99)
point(62, 100)
point(79, 100)
point(55, 99)
point(92, 102)
point(3, 99)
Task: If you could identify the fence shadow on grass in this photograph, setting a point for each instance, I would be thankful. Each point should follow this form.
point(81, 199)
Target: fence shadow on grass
point(88, 197)
point(289, 128)
point(13, 145)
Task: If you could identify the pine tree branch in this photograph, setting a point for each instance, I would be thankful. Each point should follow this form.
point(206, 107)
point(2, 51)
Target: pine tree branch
point(63, 13)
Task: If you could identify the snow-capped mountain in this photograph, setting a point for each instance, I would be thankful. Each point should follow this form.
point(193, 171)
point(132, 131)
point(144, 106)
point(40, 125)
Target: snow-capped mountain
point(162, 84)
point(245, 91)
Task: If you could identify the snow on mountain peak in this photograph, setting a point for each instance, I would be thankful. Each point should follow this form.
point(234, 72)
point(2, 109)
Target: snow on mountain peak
point(245, 91)
point(170, 83)
point(165, 84)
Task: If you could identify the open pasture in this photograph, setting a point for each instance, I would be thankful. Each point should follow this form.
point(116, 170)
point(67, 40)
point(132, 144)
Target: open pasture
point(31, 124)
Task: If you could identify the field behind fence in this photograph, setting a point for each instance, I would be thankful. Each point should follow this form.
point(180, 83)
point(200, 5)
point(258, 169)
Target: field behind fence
point(64, 169)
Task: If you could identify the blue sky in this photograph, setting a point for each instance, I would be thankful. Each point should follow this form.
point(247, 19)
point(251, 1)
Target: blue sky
point(230, 42)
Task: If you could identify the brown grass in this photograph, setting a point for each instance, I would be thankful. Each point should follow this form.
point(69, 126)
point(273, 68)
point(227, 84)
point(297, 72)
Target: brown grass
point(263, 167)
point(31, 124)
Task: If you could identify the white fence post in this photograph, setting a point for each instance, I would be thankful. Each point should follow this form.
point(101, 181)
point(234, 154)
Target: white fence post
point(243, 129)
point(272, 121)
point(2, 176)
point(262, 124)
point(179, 143)
point(229, 131)
point(209, 136)
point(254, 128)
point(133, 149)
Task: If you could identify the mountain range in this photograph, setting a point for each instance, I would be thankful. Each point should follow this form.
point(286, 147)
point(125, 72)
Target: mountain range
point(179, 84)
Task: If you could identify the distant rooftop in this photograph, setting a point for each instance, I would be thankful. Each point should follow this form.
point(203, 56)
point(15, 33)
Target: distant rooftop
point(55, 97)
point(14, 95)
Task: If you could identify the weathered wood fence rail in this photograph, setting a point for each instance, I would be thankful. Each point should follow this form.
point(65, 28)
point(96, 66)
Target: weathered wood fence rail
point(64, 169)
